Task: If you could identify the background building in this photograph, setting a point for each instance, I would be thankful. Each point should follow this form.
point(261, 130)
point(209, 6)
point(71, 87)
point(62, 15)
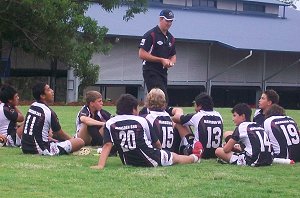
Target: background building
point(232, 49)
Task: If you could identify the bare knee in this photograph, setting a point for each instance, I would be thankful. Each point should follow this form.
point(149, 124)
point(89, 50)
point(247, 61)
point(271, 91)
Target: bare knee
point(77, 143)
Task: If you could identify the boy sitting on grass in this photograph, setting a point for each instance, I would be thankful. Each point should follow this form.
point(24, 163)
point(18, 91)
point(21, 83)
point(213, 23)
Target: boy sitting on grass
point(10, 114)
point(257, 148)
point(39, 121)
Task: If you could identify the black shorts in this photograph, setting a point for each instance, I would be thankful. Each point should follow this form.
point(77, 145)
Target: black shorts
point(155, 80)
point(97, 139)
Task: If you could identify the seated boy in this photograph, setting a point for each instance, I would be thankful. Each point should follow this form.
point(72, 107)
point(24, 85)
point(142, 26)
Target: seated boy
point(91, 118)
point(257, 147)
point(9, 116)
point(39, 121)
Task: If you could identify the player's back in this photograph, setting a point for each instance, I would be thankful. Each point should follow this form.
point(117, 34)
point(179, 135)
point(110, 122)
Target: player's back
point(163, 127)
point(256, 142)
point(131, 134)
point(209, 131)
point(37, 124)
point(283, 133)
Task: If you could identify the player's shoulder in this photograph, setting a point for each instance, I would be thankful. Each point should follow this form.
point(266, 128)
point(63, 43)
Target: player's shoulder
point(151, 31)
point(105, 114)
point(257, 112)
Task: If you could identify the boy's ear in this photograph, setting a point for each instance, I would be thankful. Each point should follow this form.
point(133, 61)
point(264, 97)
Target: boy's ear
point(243, 116)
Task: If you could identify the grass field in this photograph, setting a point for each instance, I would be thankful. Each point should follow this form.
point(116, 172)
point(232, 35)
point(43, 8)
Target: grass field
point(70, 176)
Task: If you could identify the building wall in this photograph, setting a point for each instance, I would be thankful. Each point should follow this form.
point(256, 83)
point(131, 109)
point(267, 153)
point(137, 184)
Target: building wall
point(226, 5)
point(197, 62)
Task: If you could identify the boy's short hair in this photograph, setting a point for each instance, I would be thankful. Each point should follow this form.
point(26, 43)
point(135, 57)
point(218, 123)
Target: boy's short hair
point(92, 96)
point(38, 89)
point(7, 93)
point(272, 95)
point(126, 104)
point(205, 101)
point(243, 108)
point(275, 110)
point(156, 99)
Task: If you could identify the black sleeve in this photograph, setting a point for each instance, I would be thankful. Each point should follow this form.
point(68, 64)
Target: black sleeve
point(105, 114)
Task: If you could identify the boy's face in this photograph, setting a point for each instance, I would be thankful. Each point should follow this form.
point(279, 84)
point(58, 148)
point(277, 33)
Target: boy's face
point(97, 104)
point(238, 119)
point(15, 100)
point(48, 94)
point(263, 102)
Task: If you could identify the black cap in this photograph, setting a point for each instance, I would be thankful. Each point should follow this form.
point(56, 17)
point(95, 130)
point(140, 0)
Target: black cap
point(167, 14)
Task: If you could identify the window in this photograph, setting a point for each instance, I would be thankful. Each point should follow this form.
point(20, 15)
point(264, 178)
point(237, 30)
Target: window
point(204, 3)
point(252, 7)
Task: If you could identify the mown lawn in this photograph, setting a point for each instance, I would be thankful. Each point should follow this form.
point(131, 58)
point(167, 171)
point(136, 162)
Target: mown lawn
point(70, 176)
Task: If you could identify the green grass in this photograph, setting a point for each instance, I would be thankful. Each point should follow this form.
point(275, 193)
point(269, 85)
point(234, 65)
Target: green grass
point(70, 176)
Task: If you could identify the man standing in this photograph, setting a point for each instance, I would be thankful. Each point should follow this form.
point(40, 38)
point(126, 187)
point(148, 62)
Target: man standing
point(157, 50)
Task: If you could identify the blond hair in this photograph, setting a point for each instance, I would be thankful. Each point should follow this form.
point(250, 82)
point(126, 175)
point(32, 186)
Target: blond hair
point(92, 96)
point(156, 99)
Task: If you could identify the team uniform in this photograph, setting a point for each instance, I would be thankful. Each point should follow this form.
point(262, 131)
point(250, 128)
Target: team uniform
point(8, 127)
point(284, 137)
point(163, 127)
point(133, 139)
point(259, 117)
point(93, 131)
point(208, 129)
point(39, 119)
point(257, 147)
point(157, 44)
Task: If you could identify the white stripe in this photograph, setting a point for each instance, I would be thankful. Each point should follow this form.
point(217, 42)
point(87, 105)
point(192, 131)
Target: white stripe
point(152, 161)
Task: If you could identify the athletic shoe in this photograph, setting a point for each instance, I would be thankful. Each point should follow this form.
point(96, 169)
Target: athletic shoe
point(198, 150)
point(82, 151)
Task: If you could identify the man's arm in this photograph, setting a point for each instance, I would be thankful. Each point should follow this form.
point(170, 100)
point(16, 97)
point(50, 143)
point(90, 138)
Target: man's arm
point(104, 155)
point(63, 135)
point(229, 145)
point(90, 121)
point(176, 118)
point(172, 61)
point(144, 55)
point(20, 115)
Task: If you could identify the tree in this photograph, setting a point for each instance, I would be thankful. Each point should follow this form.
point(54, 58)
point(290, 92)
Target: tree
point(60, 31)
point(290, 2)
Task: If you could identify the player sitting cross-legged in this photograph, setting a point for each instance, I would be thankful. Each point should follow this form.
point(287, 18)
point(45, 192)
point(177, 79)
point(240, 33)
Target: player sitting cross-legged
point(257, 147)
point(206, 122)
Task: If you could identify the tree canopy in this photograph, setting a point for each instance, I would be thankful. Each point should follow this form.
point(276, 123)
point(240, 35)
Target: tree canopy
point(59, 30)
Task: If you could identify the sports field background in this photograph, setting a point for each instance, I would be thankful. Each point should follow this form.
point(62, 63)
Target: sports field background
point(70, 176)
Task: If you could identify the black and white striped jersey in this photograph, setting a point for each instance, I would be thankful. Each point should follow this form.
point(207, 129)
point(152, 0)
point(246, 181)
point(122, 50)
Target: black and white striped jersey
point(256, 142)
point(259, 117)
point(101, 115)
point(39, 119)
point(133, 138)
point(283, 133)
point(163, 127)
point(8, 120)
point(208, 129)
